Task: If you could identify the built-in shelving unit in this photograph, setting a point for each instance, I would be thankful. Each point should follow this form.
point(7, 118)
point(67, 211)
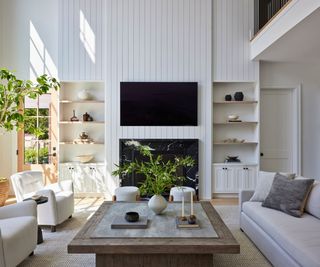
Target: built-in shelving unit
point(88, 177)
point(230, 177)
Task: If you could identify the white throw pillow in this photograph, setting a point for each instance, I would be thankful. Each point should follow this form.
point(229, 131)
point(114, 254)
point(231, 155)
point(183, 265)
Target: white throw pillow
point(264, 183)
point(313, 202)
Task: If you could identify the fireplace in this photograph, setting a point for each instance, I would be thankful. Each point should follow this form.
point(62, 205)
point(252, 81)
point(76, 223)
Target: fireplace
point(169, 149)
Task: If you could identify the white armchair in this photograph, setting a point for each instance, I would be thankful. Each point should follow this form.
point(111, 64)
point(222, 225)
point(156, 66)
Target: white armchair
point(60, 205)
point(18, 232)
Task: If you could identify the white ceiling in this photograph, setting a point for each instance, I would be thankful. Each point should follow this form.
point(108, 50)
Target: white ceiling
point(300, 44)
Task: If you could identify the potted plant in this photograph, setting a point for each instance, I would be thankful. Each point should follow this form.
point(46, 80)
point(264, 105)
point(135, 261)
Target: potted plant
point(159, 175)
point(4, 190)
point(12, 94)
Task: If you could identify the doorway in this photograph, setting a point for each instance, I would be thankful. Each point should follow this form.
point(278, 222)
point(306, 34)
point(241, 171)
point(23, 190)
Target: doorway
point(37, 142)
point(280, 131)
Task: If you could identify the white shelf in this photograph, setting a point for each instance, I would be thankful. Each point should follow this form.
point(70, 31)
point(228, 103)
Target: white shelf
point(81, 101)
point(236, 123)
point(81, 122)
point(234, 144)
point(236, 102)
point(235, 163)
point(72, 143)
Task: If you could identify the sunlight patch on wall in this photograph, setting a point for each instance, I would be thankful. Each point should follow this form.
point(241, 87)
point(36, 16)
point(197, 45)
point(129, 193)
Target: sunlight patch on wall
point(40, 60)
point(87, 37)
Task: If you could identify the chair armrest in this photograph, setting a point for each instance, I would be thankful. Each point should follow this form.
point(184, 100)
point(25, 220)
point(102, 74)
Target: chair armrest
point(49, 194)
point(244, 195)
point(67, 185)
point(25, 208)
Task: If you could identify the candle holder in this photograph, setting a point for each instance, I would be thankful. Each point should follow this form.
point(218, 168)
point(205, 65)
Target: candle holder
point(192, 219)
point(183, 218)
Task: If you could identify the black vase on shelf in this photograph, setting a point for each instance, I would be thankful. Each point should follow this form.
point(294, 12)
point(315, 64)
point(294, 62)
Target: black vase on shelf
point(238, 96)
point(228, 98)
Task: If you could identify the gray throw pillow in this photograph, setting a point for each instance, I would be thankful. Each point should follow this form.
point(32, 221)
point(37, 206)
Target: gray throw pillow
point(288, 195)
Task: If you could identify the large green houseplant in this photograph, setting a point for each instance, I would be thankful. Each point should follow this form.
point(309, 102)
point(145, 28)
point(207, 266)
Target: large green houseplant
point(12, 94)
point(160, 175)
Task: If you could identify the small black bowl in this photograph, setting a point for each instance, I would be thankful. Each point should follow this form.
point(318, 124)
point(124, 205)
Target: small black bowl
point(132, 216)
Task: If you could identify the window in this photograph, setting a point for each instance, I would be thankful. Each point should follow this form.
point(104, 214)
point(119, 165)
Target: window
point(36, 130)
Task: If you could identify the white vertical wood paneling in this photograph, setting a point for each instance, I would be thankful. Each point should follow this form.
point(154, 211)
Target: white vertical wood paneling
point(143, 40)
point(232, 23)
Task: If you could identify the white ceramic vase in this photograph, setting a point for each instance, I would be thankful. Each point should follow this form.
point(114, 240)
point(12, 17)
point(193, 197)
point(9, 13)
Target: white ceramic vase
point(157, 204)
point(84, 95)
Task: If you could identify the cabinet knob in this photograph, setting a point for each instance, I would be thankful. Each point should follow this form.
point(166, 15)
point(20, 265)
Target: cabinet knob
point(261, 154)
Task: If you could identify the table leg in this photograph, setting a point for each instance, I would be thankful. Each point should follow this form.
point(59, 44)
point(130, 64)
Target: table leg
point(154, 260)
point(40, 237)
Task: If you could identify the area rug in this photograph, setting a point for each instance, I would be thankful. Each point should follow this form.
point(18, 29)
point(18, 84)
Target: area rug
point(53, 251)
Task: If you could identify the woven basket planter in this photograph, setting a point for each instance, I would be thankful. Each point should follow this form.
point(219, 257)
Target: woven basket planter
point(4, 191)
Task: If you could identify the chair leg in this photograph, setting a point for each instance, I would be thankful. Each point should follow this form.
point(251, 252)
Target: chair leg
point(70, 216)
point(31, 254)
point(114, 198)
point(53, 228)
point(170, 198)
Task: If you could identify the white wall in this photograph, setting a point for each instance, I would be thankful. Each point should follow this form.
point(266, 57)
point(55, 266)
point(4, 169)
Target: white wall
point(28, 46)
point(141, 40)
point(233, 25)
point(306, 74)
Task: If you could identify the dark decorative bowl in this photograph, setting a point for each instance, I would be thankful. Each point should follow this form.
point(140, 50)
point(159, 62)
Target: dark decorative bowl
point(132, 216)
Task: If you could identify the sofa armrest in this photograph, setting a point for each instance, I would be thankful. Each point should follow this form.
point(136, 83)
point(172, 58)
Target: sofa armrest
point(67, 185)
point(25, 208)
point(244, 195)
point(1, 251)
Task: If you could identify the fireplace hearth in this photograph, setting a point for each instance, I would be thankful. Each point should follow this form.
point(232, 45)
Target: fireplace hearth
point(169, 149)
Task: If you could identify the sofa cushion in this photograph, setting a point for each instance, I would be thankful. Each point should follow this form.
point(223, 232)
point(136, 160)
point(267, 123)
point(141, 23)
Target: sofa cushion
point(264, 183)
point(288, 195)
point(19, 238)
point(313, 201)
point(299, 237)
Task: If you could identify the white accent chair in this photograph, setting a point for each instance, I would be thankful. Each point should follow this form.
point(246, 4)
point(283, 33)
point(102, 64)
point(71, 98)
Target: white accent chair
point(18, 232)
point(60, 205)
point(126, 193)
point(177, 192)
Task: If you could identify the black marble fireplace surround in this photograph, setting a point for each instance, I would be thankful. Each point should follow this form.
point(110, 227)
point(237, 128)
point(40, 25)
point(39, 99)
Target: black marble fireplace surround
point(169, 149)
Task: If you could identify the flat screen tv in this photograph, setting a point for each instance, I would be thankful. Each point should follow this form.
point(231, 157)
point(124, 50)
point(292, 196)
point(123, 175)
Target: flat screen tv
point(159, 104)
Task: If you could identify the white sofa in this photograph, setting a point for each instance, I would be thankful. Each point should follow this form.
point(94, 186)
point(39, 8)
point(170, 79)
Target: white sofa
point(60, 205)
point(284, 240)
point(18, 232)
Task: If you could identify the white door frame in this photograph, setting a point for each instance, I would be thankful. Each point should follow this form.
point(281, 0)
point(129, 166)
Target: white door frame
point(296, 90)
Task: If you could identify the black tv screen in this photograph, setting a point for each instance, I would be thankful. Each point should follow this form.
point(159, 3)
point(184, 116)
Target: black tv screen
point(159, 104)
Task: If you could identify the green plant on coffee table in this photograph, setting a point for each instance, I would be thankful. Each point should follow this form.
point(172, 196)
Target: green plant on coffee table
point(12, 94)
point(160, 175)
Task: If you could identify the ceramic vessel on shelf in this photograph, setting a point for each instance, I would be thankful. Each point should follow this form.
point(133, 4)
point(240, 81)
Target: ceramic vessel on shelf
point(84, 135)
point(228, 98)
point(84, 158)
point(157, 204)
point(84, 95)
point(238, 96)
point(233, 117)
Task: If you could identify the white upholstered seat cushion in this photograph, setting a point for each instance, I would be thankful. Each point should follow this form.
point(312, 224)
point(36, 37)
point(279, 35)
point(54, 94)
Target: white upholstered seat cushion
point(299, 237)
point(18, 234)
point(178, 191)
point(126, 193)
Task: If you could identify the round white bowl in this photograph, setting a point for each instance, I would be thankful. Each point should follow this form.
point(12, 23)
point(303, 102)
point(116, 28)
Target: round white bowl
point(84, 158)
point(233, 117)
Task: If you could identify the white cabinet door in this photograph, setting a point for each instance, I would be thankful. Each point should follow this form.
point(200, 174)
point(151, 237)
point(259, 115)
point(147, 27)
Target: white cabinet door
point(247, 177)
point(98, 178)
point(223, 180)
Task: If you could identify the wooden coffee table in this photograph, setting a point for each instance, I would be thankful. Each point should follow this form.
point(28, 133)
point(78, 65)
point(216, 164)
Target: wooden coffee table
point(119, 248)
